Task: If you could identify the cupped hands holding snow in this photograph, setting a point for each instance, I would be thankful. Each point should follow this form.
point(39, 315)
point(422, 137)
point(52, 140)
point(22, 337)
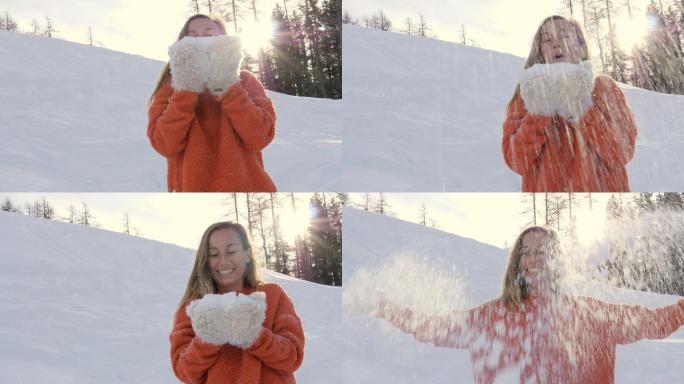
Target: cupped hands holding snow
point(560, 88)
point(210, 62)
point(230, 318)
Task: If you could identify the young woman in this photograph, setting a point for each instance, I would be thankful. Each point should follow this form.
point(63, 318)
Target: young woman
point(533, 333)
point(566, 130)
point(230, 327)
point(207, 118)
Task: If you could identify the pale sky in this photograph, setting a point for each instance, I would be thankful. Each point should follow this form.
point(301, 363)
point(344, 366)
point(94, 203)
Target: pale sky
point(143, 27)
point(500, 25)
point(171, 218)
point(491, 218)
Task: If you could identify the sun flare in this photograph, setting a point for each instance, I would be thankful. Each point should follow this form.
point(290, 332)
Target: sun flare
point(294, 222)
point(256, 36)
point(631, 31)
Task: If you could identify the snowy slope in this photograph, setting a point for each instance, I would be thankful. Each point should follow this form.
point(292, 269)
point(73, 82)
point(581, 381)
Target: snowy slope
point(426, 115)
point(82, 305)
point(376, 352)
point(74, 118)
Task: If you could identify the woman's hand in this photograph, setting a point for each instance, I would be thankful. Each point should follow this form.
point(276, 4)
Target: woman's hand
point(539, 91)
point(189, 65)
point(225, 56)
point(230, 318)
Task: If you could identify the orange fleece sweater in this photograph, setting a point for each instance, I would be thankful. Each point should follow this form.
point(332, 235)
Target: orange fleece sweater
point(214, 145)
point(569, 340)
point(557, 155)
point(272, 359)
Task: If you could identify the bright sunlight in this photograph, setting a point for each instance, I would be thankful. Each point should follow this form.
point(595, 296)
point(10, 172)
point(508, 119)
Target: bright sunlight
point(256, 35)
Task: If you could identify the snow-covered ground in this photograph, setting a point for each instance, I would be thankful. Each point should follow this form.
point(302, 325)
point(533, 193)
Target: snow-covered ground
point(375, 352)
point(74, 118)
point(83, 305)
point(426, 115)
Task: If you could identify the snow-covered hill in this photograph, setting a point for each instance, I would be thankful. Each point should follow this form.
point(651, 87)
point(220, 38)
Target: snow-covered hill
point(397, 255)
point(426, 115)
point(83, 305)
point(74, 118)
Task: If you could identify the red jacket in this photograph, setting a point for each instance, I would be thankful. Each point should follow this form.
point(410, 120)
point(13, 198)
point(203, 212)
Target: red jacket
point(214, 145)
point(272, 359)
point(570, 340)
point(557, 155)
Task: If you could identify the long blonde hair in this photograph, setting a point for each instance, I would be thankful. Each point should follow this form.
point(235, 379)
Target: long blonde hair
point(166, 71)
point(514, 289)
point(200, 282)
point(536, 56)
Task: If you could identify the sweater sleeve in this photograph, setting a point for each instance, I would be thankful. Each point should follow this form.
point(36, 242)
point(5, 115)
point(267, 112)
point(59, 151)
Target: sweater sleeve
point(610, 129)
point(191, 357)
point(630, 323)
point(449, 330)
point(170, 117)
point(524, 137)
point(250, 112)
point(281, 347)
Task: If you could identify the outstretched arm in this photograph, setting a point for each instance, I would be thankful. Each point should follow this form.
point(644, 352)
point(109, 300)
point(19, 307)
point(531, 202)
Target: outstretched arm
point(443, 331)
point(631, 323)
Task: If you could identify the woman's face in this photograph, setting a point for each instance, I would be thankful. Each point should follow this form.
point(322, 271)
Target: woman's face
point(534, 261)
point(559, 42)
point(203, 27)
point(227, 260)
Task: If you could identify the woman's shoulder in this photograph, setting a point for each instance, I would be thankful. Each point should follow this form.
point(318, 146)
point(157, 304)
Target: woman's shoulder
point(271, 289)
point(604, 83)
point(248, 77)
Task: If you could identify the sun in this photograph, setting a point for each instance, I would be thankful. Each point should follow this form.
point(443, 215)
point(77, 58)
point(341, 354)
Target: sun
point(631, 31)
point(256, 35)
point(294, 222)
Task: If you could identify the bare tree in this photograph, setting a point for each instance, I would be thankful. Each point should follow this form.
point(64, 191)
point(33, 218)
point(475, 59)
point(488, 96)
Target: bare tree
point(194, 6)
point(49, 30)
point(85, 217)
point(71, 215)
point(8, 23)
point(423, 27)
point(409, 26)
point(382, 205)
point(89, 36)
point(126, 224)
point(35, 27)
point(423, 214)
point(8, 206)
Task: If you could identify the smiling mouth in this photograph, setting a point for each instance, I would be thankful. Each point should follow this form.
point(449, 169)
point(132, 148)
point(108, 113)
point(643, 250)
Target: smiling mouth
point(558, 56)
point(224, 272)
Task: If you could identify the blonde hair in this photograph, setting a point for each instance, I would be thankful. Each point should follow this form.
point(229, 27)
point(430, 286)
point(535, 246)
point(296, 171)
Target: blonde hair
point(536, 56)
point(514, 290)
point(166, 71)
point(200, 282)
